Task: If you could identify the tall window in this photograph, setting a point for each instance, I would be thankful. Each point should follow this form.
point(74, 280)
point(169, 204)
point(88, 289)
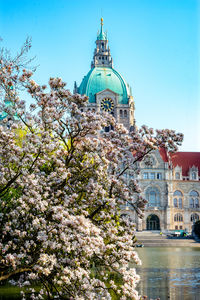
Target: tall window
point(177, 176)
point(194, 199)
point(178, 218)
point(153, 196)
point(125, 114)
point(194, 217)
point(121, 113)
point(178, 199)
point(175, 202)
point(159, 176)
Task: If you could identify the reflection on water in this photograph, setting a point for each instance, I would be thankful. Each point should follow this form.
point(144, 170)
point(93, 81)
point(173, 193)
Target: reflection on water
point(170, 273)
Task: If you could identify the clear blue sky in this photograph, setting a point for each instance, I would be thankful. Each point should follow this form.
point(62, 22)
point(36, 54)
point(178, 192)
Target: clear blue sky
point(154, 45)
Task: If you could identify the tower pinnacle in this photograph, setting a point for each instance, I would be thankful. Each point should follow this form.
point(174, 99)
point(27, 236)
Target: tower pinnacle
point(102, 57)
point(102, 36)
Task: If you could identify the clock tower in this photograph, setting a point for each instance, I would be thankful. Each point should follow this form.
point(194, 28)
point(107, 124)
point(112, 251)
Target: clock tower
point(106, 88)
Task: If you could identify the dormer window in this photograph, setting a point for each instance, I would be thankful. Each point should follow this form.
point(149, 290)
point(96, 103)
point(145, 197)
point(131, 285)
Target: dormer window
point(194, 175)
point(178, 173)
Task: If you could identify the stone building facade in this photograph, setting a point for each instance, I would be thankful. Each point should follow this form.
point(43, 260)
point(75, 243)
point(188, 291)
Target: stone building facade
point(171, 183)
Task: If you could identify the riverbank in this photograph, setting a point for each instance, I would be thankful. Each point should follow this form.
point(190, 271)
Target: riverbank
point(154, 239)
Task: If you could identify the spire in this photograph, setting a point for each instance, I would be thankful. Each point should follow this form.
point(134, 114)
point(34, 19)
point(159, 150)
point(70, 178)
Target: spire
point(102, 57)
point(102, 36)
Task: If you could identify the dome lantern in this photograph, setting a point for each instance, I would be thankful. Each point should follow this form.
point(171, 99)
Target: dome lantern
point(102, 36)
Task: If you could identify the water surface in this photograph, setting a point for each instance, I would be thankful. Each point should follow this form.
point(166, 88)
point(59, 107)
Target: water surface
point(170, 273)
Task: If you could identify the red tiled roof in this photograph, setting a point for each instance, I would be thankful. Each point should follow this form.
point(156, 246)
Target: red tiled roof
point(186, 160)
point(163, 154)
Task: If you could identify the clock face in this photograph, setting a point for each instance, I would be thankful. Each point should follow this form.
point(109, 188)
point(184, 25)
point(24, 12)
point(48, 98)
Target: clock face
point(107, 104)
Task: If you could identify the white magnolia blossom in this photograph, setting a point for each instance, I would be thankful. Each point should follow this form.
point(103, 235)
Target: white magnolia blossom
point(61, 187)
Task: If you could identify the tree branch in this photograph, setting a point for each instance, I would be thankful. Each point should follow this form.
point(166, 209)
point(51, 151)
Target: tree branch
point(21, 270)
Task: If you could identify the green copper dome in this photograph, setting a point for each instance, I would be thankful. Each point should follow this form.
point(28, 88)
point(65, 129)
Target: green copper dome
point(101, 78)
point(102, 75)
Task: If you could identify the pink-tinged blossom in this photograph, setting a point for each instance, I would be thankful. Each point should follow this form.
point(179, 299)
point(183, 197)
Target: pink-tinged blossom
point(62, 185)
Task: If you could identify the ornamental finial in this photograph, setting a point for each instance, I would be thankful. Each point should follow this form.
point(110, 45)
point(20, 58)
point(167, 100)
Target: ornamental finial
point(101, 21)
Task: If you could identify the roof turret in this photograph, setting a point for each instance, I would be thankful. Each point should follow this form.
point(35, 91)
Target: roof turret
point(102, 56)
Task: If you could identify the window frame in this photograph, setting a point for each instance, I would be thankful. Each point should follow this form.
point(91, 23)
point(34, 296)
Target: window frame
point(156, 202)
point(152, 177)
point(178, 217)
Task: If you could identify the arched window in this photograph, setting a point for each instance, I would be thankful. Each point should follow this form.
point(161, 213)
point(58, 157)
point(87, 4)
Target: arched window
point(194, 217)
point(194, 199)
point(178, 193)
point(121, 113)
point(153, 196)
point(125, 114)
point(177, 175)
point(178, 218)
point(194, 194)
point(178, 199)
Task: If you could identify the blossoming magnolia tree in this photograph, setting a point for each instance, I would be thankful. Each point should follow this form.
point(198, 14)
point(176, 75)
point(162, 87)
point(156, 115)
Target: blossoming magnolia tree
point(61, 188)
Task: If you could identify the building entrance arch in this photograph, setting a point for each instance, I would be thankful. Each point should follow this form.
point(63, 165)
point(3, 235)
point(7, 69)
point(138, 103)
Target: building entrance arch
point(153, 222)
